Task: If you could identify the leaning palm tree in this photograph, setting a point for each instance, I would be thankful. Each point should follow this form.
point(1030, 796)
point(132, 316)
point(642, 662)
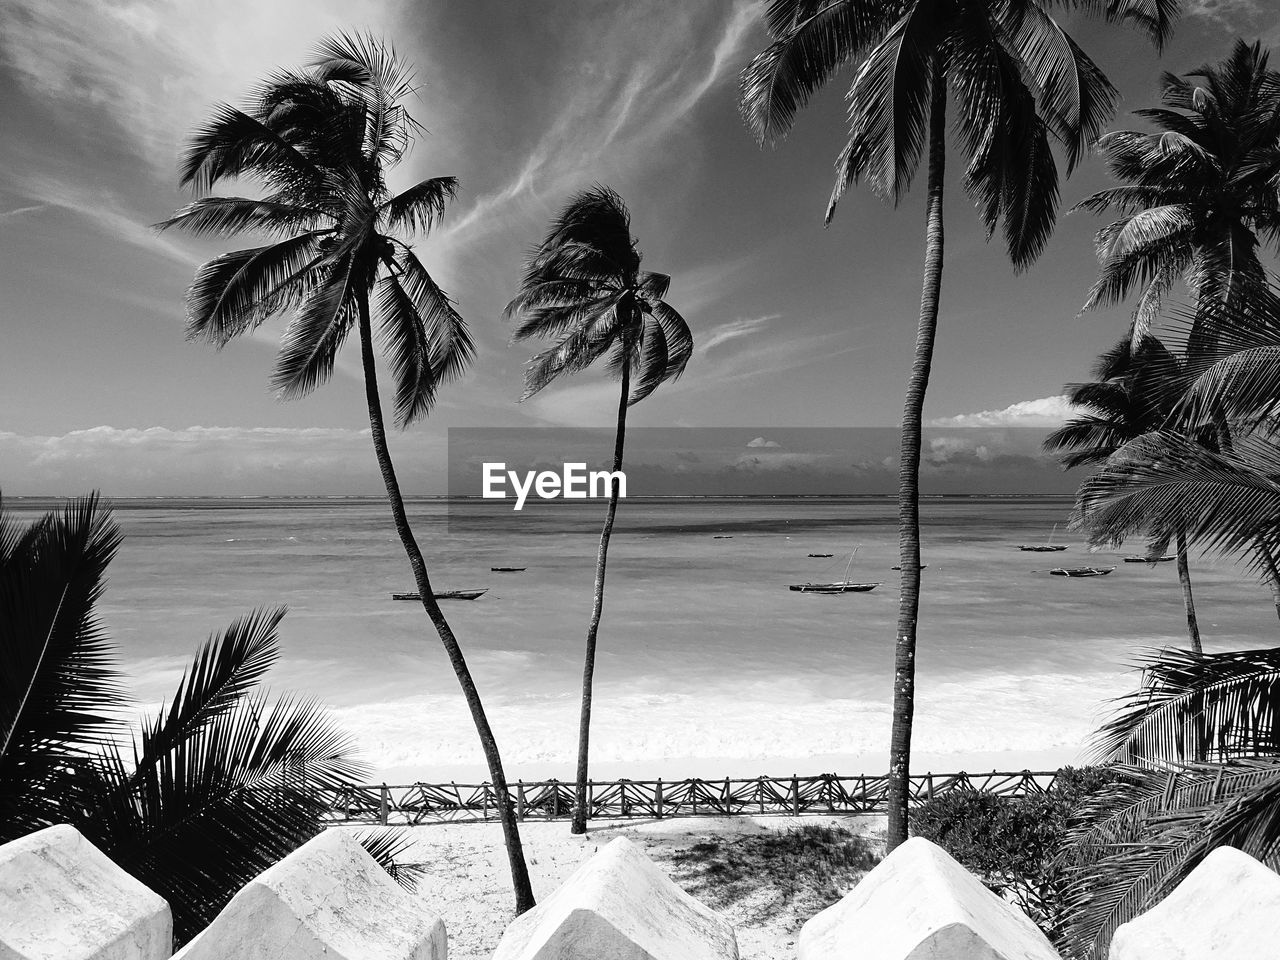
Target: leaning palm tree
point(1197, 193)
point(1133, 393)
point(583, 286)
point(1017, 81)
point(216, 786)
point(320, 143)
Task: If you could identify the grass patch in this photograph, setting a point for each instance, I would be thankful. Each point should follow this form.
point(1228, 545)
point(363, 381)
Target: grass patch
point(767, 875)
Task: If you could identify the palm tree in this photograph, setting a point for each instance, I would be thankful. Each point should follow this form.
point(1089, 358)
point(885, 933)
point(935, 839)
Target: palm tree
point(583, 287)
point(212, 793)
point(1130, 396)
point(1197, 193)
point(1017, 80)
point(320, 142)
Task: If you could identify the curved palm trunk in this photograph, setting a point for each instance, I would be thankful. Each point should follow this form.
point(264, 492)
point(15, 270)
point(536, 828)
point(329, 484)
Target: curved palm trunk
point(510, 831)
point(1184, 578)
point(904, 665)
point(579, 824)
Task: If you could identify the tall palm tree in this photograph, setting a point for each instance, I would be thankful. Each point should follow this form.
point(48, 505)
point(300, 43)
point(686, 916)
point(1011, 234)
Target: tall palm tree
point(583, 287)
point(210, 794)
point(1017, 80)
point(1130, 396)
point(1197, 193)
point(320, 142)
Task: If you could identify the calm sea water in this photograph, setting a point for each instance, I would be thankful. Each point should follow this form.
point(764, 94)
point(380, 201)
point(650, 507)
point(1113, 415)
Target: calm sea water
point(708, 665)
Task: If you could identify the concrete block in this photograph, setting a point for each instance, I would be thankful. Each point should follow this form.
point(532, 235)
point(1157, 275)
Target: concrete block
point(920, 904)
point(61, 898)
point(328, 900)
point(1227, 908)
point(619, 906)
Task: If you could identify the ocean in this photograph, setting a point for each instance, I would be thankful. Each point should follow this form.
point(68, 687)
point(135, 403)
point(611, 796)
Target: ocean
point(707, 664)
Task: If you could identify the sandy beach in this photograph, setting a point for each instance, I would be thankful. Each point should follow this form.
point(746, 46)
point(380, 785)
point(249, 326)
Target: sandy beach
point(468, 884)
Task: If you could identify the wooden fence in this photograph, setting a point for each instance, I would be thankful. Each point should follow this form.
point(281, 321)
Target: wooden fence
point(655, 799)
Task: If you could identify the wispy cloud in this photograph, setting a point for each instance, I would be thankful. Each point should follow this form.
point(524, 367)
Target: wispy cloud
point(1044, 412)
point(227, 461)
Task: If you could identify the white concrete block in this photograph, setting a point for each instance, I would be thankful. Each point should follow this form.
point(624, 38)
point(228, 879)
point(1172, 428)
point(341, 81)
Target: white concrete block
point(920, 904)
point(619, 906)
point(61, 898)
point(328, 899)
point(1227, 908)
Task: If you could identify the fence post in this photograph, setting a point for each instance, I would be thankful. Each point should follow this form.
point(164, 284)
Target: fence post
point(555, 799)
point(928, 777)
point(795, 795)
point(760, 791)
point(384, 805)
point(484, 801)
point(520, 800)
point(657, 797)
point(693, 793)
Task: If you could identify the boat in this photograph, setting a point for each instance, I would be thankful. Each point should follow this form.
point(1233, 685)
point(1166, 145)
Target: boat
point(923, 566)
point(843, 586)
point(822, 554)
point(723, 536)
point(1081, 571)
point(1047, 547)
point(1165, 559)
point(508, 569)
point(839, 586)
point(444, 595)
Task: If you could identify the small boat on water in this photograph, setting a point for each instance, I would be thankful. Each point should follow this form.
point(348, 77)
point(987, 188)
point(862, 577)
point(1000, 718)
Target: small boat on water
point(508, 569)
point(1165, 559)
point(444, 595)
point(838, 586)
point(844, 586)
point(1047, 547)
point(723, 536)
point(923, 566)
point(822, 554)
point(1081, 571)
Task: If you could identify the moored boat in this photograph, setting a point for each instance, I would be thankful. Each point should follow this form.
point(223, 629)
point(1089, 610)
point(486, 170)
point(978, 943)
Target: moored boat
point(443, 595)
point(1081, 571)
point(1047, 547)
point(1165, 559)
point(845, 586)
point(508, 569)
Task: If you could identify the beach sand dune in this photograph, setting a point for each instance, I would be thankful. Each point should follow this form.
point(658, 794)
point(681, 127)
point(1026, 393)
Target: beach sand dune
point(469, 886)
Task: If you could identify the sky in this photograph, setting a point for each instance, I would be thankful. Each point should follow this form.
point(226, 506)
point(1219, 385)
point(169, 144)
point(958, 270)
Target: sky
point(796, 325)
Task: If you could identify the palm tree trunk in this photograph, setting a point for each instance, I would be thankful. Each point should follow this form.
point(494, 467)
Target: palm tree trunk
point(579, 824)
point(1184, 578)
point(904, 666)
point(510, 830)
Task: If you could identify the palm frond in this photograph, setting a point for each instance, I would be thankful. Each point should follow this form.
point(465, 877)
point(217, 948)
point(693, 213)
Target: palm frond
point(421, 207)
point(1195, 706)
point(818, 40)
point(60, 694)
point(888, 110)
point(311, 342)
point(236, 292)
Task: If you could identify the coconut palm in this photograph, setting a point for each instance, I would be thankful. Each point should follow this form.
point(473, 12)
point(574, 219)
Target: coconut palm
point(1132, 394)
point(214, 786)
point(1197, 193)
point(1016, 81)
point(319, 143)
point(583, 287)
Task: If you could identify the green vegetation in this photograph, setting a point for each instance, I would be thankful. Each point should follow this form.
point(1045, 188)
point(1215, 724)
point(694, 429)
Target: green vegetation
point(1015, 844)
point(209, 792)
point(799, 871)
point(320, 142)
point(583, 286)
